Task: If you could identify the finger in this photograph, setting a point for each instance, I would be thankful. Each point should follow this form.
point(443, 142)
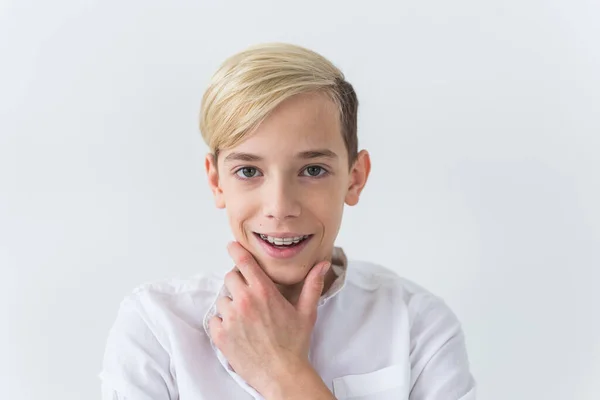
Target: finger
point(247, 265)
point(312, 289)
point(223, 307)
point(235, 282)
point(216, 331)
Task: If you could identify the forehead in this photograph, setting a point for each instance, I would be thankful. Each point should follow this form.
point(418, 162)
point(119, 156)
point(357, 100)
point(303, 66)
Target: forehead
point(302, 122)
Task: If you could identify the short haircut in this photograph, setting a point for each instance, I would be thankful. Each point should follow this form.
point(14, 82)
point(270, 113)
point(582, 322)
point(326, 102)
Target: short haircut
point(250, 84)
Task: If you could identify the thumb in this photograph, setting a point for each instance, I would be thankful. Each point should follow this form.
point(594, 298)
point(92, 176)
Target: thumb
point(312, 289)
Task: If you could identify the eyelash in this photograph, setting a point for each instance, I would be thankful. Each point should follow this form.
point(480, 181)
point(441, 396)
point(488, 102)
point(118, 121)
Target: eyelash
point(324, 172)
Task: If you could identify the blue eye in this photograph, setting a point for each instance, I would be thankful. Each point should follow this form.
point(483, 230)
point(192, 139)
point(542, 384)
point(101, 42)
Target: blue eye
point(314, 171)
point(247, 172)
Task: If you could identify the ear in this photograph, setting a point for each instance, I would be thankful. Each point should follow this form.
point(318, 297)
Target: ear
point(212, 172)
point(358, 177)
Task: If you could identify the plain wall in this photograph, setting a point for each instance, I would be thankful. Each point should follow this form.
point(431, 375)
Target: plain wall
point(482, 119)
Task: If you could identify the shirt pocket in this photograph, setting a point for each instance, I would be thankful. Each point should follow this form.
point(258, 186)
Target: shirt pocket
point(389, 383)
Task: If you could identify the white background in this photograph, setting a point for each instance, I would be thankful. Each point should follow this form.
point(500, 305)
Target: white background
point(482, 118)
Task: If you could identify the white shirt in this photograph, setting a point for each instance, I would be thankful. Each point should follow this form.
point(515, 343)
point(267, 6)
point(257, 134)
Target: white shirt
point(377, 337)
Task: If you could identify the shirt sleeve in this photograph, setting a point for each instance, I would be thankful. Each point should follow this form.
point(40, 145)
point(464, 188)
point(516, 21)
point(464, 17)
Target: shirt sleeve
point(439, 363)
point(136, 366)
point(108, 393)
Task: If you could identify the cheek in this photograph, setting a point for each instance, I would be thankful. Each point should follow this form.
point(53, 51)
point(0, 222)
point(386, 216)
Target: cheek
point(239, 208)
point(238, 211)
point(328, 208)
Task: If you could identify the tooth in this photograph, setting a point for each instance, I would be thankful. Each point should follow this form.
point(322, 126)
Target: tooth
point(283, 241)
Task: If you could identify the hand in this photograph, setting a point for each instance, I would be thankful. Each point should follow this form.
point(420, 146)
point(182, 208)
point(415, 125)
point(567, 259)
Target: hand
point(263, 336)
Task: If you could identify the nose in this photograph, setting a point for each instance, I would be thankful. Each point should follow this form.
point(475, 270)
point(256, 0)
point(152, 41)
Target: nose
point(280, 199)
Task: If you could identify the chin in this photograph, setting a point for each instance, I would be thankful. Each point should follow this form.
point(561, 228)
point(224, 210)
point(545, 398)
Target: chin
point(287, 275)
point(287, 282)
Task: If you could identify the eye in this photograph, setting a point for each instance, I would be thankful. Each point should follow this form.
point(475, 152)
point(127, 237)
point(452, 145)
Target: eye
point(247, 172)
point(314, 171)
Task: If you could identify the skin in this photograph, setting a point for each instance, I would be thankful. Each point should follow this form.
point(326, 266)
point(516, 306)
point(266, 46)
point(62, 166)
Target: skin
point(269, 183)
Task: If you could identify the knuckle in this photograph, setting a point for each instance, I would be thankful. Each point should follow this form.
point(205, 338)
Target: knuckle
point(221, 304)
point(230, 275)
point(216, 331)
point(244, 300)
point(246, 259)
point(262, 290)
point(311, 318)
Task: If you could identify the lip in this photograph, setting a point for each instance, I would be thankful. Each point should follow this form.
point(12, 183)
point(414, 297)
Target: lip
point(282, 235)
point(282, 252)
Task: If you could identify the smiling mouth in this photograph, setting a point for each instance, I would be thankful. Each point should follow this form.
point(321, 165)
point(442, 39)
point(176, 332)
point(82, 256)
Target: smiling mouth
point(282, 243)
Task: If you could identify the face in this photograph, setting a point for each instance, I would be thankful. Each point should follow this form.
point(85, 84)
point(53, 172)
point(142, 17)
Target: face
point(284, 187)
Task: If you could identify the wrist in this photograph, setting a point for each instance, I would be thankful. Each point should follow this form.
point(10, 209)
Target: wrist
point(299, 382)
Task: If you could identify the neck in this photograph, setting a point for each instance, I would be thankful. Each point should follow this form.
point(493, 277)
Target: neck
point(292, 292)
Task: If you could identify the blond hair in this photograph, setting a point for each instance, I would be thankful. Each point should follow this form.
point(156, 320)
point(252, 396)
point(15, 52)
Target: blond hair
point(251, 83)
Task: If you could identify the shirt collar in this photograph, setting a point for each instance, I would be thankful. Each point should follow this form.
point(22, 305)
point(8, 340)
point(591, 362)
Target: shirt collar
point(339, 265)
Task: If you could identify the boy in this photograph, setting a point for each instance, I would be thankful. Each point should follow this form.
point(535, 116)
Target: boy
point(294, 318)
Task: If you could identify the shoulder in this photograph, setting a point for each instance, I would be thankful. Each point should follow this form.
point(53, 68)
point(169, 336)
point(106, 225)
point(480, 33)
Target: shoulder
point(150, 322)
point(173, 287)
point(438, 354)
point(198, 288)
point(159, 304)
point(137, 358)
point(420, 302)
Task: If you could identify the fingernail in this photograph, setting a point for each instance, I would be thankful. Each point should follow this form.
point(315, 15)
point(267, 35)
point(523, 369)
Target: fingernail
point(325, 268)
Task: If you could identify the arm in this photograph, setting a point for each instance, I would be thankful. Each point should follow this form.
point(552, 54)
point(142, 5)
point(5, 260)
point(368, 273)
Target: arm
point(108, 393)
point(136, 366)
point(439, 362)
point(300, 385)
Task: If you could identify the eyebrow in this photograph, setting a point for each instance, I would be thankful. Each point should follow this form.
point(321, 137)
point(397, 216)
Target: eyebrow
point(317, 154)
point(309, 154)
point(235, 156)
